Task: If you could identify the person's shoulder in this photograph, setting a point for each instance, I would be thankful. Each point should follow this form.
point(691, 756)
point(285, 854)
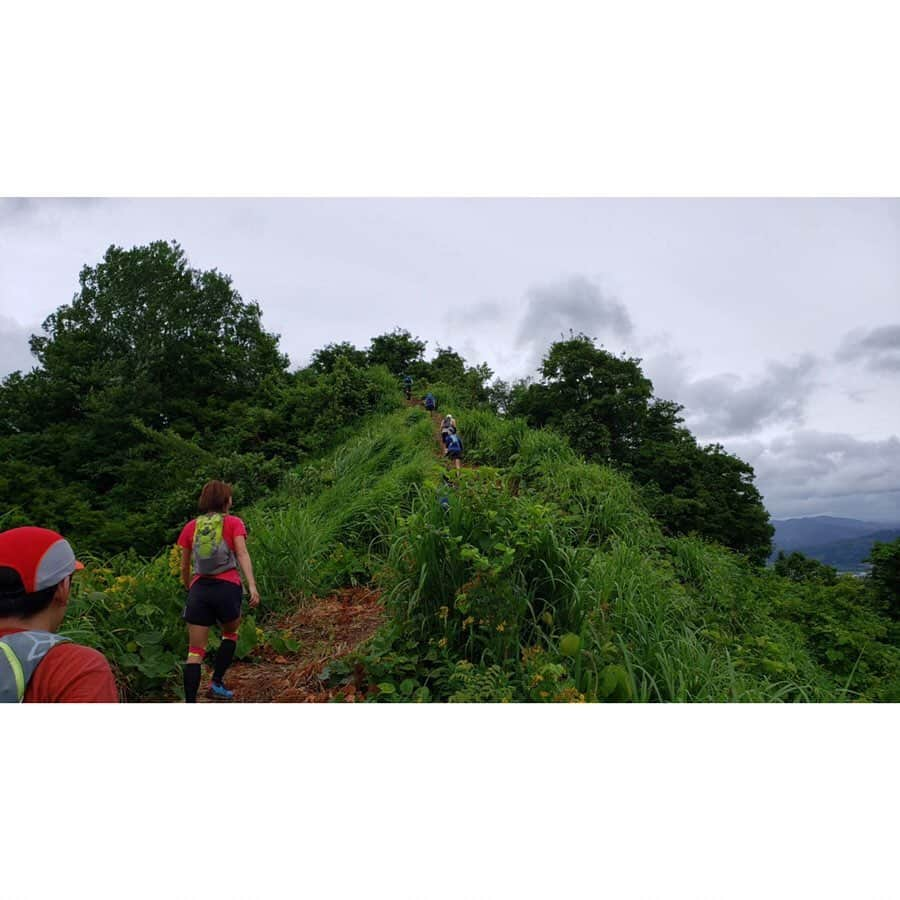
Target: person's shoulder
point(77, 654)
point(235, 524)
point(187, 533)
point(73, 673)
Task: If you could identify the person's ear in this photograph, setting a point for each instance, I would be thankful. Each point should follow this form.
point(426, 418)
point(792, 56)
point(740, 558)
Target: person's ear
point(61, 596)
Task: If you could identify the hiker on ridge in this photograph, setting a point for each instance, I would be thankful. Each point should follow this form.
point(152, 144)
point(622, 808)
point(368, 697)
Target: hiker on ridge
point(453, 448)
point(36, 664)
point(430, 402)
point(448, 427)
point(213, 546)
point(407, 386)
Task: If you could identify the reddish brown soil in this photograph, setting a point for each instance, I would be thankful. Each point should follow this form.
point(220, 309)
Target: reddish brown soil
point(326, 629)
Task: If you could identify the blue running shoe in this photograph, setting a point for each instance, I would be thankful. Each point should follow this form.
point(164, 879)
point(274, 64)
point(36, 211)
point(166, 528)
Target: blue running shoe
point(220, 692)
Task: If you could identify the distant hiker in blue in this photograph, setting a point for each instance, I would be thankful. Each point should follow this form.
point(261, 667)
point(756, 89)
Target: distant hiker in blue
point(453, 449)
point(430, 402)
point(407, 386)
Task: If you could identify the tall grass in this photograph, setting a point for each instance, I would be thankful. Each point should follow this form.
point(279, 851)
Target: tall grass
point(338, 530)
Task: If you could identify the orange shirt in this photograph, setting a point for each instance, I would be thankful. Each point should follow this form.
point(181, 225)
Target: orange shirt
point(70, 673)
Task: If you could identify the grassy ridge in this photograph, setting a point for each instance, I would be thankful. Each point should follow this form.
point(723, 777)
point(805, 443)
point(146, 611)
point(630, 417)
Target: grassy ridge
point(535, 576)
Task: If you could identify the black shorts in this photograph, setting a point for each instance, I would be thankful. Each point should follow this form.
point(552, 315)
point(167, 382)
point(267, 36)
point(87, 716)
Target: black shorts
point(454, 454)
point(212, 600)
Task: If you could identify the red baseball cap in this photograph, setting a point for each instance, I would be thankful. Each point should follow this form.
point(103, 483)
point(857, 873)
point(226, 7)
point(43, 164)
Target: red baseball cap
point(41, 557)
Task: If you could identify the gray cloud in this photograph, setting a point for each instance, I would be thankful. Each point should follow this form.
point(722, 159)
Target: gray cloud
point(878, 349)
point(577, 304)
point(724, 405)
point(16, 207)
point(818, 473)
point(716, 407)
point(486, 310)
point(41, 211)
point(14, 351)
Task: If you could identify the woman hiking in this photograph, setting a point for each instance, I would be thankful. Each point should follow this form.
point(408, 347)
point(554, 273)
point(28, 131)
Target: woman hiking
point(213, 546)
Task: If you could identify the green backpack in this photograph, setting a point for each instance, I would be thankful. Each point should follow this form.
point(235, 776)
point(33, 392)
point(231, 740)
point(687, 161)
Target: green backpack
point(212, 555)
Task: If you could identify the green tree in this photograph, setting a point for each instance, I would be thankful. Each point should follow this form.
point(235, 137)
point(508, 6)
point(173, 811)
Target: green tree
point(798, 567)
point(884, 579)
point(398, 350)
point(598, 400)
point(148, 345)
point(447, 366)
point(468, 382)
point(324, 359)
point(604, 405)
point(147, 336)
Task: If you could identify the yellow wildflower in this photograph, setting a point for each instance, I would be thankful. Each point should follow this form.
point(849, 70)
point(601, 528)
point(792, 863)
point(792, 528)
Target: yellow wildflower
point(443, 612)
point(442, 642)
point(501, 626)
point(175, 561)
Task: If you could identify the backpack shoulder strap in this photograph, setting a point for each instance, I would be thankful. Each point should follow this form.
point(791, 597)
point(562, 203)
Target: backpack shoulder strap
point(20, 655)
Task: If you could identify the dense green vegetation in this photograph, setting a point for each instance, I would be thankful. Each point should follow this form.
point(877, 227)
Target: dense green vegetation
point(592, 551)
point(605, 405)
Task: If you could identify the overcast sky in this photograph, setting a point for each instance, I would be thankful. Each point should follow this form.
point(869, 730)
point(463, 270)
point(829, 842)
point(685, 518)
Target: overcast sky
point(776, 323)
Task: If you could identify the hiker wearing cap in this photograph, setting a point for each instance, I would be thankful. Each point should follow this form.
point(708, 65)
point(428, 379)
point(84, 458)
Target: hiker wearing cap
point(37, 664)
point(213, 546)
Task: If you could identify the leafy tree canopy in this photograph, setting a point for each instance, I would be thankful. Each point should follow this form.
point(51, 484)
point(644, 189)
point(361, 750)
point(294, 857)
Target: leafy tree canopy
point(397, 350)
point(799, 567)
point(325, 359)
point(149, 337)
point(884, 578)
point(604, 404)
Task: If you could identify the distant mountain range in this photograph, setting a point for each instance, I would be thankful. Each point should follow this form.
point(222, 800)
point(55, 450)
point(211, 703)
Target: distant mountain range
point(842, 543)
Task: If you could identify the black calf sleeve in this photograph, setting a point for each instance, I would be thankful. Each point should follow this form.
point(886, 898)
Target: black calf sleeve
point(191, 682)
point(224, 656)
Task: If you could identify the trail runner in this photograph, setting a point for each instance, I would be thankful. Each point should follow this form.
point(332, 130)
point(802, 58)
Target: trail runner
point(213, 546)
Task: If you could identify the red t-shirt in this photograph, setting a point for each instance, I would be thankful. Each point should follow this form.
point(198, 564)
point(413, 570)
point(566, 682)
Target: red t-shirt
point(232, 528)
point(70, 673)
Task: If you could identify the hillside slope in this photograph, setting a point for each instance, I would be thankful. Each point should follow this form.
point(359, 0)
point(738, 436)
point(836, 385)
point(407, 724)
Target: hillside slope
point(530, 575)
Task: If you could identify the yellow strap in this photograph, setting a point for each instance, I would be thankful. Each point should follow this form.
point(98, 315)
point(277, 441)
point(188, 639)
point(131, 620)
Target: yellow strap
point(16, 666)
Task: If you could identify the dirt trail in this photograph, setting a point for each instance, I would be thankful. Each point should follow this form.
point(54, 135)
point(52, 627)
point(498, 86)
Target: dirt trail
point(326, 628)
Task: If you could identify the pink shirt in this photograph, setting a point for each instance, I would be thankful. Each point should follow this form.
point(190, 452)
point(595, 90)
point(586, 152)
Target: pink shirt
point(232, 528)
